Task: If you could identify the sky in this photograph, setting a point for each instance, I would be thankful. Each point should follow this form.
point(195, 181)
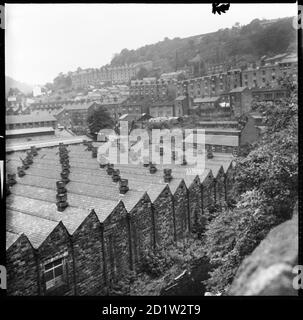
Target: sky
point(43, 40)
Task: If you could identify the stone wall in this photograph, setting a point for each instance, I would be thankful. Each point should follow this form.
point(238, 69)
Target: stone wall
point(99, 252)
point(269, 269)
point(21, 264)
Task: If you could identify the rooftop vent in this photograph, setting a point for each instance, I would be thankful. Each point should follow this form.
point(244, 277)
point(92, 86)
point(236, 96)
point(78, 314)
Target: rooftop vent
point(94, 152)
point(152, 168)
point(146, 163)
point(29, 158)
point(11, 179)
point(110, 169)
point(123, 188)
point(34, 151)
point(25, 163)
point(21, 172)
point(64, 176)
point(89, 146)
point(167, 175)
point(161, 151)
point(210, 154)
point(184, 162)
point(61, 187)
point(116, 175)
point(65, 167)
point(61, 203)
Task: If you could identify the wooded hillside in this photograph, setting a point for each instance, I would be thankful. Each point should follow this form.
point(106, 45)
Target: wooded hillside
point(235, 46)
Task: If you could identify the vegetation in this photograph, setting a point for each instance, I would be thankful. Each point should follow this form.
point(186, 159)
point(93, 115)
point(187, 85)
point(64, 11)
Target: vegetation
point(160, 267)
point(99, 119)
point(236, 46)
point(265, 189)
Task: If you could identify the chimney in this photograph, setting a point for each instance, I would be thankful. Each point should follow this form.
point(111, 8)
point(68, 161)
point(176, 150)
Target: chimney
point(25, 163)
point(11, 177)
point(146, 162)
point(61, 203)
point(110, 168)
point(89, 146)
point(21, 172)
point(103, 165)
point(65, 167)
point(94, 152)
point(61, 187)
point(66, 162)
point(123, 188)
point(64, 176)
point(210, 154)
point(29, 158)
point(167, 175)
point(34, 151)
point(116, 175)
point(152, 168)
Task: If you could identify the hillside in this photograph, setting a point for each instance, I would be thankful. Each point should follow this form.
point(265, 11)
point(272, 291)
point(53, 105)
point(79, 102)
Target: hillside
point(12, 83)
point(236, 46)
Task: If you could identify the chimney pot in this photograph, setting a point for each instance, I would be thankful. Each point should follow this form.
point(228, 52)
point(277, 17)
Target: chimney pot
point(167, 175)
point(11, 177)
point(94, 152)
point(110, 168)
point(116, 175)
point(123, 186)
point(21, 172)
point(152, 168)
point(25, 164)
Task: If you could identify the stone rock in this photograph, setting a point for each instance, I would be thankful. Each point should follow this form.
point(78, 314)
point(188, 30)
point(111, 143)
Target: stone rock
point(268, 270)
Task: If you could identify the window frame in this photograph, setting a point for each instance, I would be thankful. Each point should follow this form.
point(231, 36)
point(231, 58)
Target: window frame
point(57, 280)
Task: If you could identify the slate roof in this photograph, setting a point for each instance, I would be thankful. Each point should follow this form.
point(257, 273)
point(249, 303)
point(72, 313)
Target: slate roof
point(31, 206)
point(207, 99)
point(29, 118)
point(29, 130)
point(238, 89)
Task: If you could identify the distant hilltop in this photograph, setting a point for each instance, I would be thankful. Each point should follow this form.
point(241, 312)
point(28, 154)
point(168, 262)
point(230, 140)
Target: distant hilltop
point(234, 46)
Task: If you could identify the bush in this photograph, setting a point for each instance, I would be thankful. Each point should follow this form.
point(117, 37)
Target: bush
point(155, 263)
point(234, 234)
point(265, 188)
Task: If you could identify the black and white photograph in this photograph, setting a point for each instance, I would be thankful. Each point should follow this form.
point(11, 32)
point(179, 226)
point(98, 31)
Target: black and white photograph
point(151, 150)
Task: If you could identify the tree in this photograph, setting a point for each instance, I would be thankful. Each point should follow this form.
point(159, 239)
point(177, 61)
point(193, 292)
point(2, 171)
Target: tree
point(142, 73)
point(99, 119)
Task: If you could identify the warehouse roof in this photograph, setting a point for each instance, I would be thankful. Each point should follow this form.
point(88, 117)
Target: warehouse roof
point(29, 130)
point(29, 118)
point(31, 206)
point(206, 99)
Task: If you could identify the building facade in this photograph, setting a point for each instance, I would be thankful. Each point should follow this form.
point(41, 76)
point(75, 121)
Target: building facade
point(116, 74)
point(30, 121)
point(75, 113)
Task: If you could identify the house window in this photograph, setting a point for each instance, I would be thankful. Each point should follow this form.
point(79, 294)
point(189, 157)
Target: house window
point(54, 274)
